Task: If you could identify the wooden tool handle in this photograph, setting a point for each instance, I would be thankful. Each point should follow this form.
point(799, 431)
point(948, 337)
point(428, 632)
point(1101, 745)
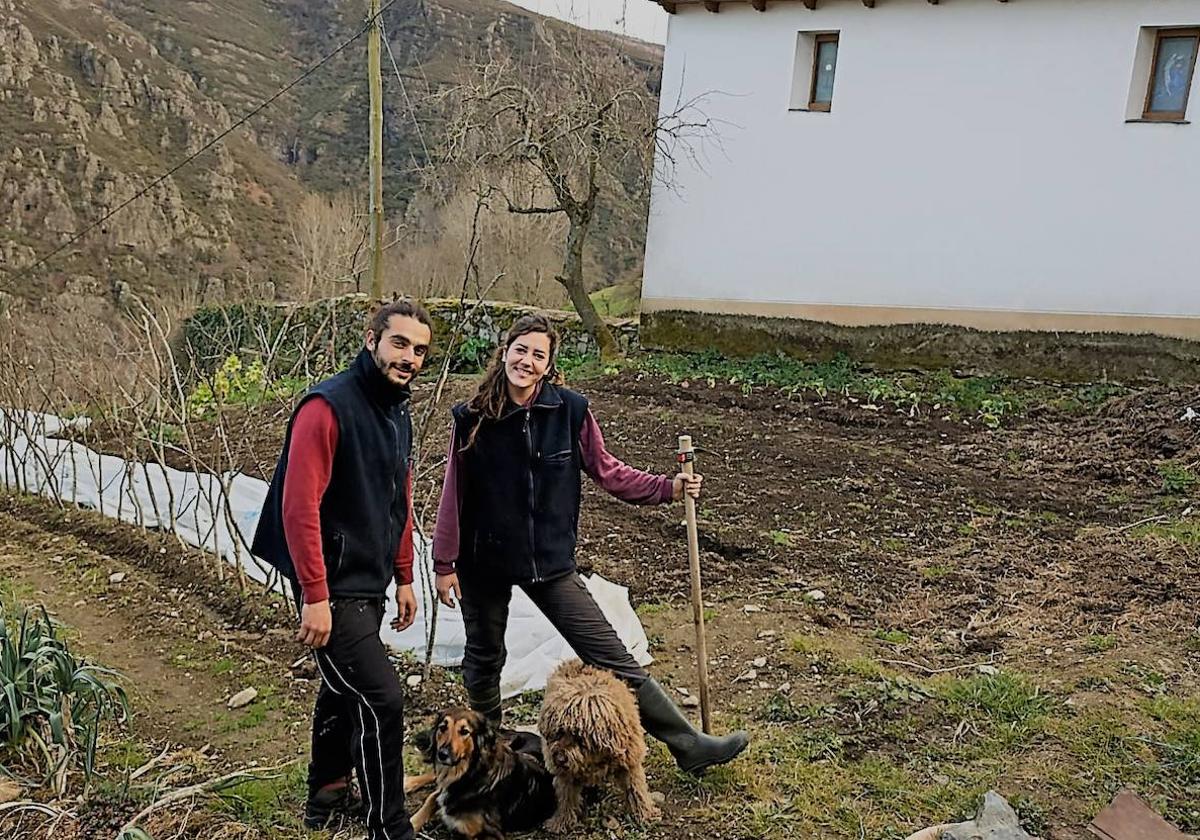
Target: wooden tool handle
point(687, 458)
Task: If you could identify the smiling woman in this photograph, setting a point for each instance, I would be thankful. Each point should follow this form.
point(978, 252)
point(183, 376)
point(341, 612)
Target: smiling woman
point(509, 515)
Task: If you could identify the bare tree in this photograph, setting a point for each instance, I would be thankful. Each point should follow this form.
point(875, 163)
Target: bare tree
point(439, 229)
point(574, 124)
point(328, 236)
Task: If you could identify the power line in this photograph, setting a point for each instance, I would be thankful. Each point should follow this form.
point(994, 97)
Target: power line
point(207, 146)
point(404, 90)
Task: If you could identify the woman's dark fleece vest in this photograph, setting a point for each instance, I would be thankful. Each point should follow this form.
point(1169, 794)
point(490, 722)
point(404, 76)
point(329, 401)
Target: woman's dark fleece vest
point(364, 509)
point(521, 486)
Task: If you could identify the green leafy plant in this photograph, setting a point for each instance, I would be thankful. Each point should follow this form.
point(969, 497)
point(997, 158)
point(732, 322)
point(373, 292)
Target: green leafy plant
point(471, 354)
point(236, 383)
point(779, 708)
point(892, 637)
point(992, 411)
point(782, 539)
point(1177, 479)
point(53, 705)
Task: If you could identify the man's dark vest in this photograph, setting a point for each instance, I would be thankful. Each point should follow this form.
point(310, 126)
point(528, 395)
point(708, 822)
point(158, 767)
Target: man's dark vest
point(520, 488)
point(365, 506)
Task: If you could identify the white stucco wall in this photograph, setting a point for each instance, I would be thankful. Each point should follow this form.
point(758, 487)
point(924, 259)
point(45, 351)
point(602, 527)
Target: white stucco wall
point(977, 157)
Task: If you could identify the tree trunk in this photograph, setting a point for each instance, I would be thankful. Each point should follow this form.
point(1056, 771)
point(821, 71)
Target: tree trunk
point(572, 279)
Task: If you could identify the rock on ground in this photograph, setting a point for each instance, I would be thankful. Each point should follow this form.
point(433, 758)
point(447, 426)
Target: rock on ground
point(995, 820)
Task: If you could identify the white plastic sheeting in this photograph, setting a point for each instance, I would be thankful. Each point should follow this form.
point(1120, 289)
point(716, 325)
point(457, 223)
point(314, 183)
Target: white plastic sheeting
point(219, 515)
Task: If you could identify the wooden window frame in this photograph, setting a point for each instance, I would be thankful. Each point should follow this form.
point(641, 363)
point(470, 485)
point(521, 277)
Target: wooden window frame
point(1159, 36)
point(818, 40)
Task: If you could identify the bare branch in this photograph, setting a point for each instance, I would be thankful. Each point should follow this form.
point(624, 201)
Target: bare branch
point(512, 208)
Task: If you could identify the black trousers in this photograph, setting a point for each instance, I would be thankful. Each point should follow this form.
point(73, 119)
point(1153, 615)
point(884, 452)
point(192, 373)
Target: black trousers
point(566, 602)
point(358, 720)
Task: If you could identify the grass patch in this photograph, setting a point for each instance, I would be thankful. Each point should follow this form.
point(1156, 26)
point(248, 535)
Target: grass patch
point(808, 644)
point(1177, 479)
point(893, 754)
point(1002, 698)
point(1005, 709)
point(782, 539)
point(647, 610)
point(269, 804)
point(862, 667)
point(1185, 531)
point(223, 666)
point(618, 301)
point(252, 716)
point(1099, 643)
point(779, 708)
point(892, 637)
point(936, 572)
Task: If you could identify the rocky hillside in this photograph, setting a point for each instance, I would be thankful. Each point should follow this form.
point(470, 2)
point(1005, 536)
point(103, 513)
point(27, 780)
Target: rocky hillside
point(98, 98)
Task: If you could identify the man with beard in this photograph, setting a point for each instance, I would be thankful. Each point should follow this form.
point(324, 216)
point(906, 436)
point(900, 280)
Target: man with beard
point(337, 522)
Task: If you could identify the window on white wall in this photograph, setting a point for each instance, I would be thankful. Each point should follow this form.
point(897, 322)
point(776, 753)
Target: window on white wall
point(1163, 74)
point(814, 71)
point(1171, 74)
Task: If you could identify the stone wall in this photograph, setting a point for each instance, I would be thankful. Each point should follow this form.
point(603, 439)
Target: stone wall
point(320, 337)
point(1067, 357)
point(495, 317)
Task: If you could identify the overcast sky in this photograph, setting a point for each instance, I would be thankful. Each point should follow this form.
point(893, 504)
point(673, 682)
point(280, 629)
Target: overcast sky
point(637, 18)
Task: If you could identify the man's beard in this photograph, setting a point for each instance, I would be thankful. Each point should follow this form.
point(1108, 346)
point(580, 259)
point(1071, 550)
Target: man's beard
point(385, 367)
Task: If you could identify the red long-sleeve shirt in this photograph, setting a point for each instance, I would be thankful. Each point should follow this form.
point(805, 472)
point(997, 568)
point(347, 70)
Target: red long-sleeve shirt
point(310, 463)
point(609, 472)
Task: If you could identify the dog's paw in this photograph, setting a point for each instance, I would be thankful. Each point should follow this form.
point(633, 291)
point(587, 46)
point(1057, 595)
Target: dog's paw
point(561, 823)
point(646, 812)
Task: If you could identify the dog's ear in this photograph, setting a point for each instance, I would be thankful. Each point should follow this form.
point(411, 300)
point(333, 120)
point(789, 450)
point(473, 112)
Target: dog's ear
point(421, 739)
point(425, 741)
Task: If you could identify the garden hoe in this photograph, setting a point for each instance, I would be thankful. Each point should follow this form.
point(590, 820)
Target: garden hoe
point(687, 459)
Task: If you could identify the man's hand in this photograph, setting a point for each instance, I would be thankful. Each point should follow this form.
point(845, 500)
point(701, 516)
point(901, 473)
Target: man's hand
point(406, 607)
point(686, 483)
point(447, 589)
point(316, 623)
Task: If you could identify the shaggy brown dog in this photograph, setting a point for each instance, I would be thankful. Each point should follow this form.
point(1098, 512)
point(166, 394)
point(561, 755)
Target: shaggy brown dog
point(484, 784)
point(592, 734)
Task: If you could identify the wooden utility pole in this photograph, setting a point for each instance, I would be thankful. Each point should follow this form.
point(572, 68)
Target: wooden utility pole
point(376, 84)
point(687, 457)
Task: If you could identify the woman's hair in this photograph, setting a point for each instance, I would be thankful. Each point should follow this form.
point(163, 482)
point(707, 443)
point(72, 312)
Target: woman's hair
point(492, 395)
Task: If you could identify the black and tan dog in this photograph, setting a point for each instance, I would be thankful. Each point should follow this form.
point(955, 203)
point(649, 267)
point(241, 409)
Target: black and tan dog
point(485, 784)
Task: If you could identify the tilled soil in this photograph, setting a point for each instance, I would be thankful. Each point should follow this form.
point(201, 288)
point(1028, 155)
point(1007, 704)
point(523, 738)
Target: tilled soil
point(819, 515)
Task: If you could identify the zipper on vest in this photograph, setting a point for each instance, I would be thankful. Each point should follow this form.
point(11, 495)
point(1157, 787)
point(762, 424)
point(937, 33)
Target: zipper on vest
point(392, 501)
point(537, 575)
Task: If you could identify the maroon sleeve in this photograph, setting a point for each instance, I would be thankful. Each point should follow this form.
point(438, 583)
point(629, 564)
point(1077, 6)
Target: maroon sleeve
point(404, 554)
point(618, 478)
point(445, 533)
point(310, 463)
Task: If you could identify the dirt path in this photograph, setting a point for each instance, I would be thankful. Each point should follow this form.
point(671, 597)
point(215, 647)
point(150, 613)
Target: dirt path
point(181, 660)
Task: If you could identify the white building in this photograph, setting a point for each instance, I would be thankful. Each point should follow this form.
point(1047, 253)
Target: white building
point(999, 165)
